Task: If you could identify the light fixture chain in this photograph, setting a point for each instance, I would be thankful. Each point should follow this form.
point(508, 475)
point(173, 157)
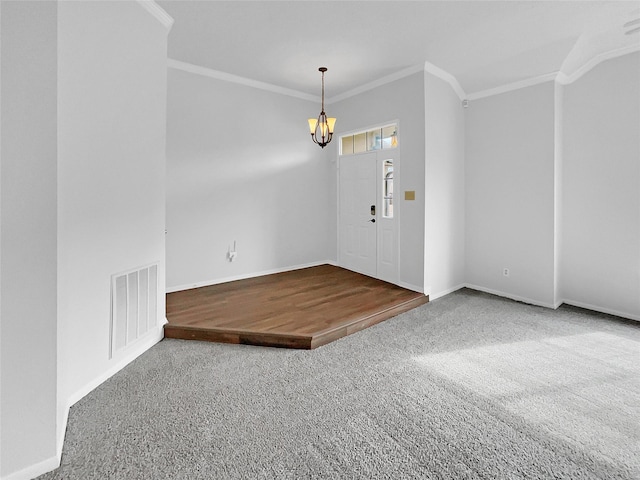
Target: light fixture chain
point(323, 91)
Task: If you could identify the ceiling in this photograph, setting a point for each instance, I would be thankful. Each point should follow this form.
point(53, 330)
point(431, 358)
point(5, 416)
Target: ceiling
point(483, 44)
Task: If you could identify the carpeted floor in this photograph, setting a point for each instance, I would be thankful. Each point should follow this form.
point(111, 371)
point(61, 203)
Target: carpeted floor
point(468, 386)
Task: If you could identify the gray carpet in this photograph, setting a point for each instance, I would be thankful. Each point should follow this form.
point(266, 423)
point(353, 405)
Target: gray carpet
point(468, 386)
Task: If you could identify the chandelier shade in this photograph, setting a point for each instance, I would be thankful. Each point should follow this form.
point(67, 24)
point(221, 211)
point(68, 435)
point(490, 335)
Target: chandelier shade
point(321, 128)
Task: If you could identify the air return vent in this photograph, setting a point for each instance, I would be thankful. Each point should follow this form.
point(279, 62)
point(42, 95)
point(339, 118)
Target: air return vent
point(134, 306)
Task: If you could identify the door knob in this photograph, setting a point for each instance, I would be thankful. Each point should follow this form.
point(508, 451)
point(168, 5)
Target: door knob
point(373, 220)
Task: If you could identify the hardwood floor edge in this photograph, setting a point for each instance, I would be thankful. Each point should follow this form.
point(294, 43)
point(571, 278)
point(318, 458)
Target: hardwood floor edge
point(222, 335)
point(307, 342)
point(334, 333)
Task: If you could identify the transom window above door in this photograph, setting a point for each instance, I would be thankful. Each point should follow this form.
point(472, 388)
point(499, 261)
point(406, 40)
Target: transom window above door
point(380, 138)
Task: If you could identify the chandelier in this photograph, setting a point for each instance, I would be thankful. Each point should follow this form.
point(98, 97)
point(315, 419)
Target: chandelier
point(322, 127)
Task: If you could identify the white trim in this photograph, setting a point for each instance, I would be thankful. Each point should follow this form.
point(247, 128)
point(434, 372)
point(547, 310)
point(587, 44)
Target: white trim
point(564, 79)
point(375, 84)
point(35, 470)
point(233, 278)
point(391, 123)
point(586, 306)
point(559, 77)
point(62, 431)
point(447, 77)
point(426, 247)
point(141, 346)
point(144, 344)
point(410, 286)
point(228, 77)
point(517, 298)
point(596, 308)
point(446, 292)
point(158, 12)
point(527, 82)
point(366, 129)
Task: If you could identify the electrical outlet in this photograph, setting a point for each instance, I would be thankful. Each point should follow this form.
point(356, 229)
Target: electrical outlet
point(505, 272)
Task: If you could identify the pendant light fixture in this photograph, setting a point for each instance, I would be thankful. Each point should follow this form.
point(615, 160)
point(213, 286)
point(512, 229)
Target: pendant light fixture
point(322, 127)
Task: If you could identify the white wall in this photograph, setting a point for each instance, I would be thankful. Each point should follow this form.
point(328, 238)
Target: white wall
point(509, 175)
point(28, 239)
point(401, 100)
point(111, 175)
point(444, 187)
point(600, 265)
point(241, 167)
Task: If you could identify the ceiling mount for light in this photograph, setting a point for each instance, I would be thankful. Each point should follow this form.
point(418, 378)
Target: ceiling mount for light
point(322, 127)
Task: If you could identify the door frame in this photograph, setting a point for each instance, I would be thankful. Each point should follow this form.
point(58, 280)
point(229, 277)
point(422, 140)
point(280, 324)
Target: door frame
point(381, 155)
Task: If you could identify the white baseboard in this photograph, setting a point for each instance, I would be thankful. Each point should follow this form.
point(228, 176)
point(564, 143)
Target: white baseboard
point(518, 298)
point(217, 281)
point(207, 283)
point(34, 471)
point(62, 430)
point(410, 286)
point(597, 308)
point(554, 306)
point(446, 292)
point(139, 348)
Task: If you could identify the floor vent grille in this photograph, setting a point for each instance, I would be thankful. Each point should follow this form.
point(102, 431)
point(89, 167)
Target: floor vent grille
point(134, 306)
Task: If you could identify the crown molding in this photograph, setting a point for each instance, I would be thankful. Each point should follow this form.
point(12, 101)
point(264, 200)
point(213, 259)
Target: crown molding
point(228, 77)
point(375, 84)
point(564, 79)
point(447, 77)
point(527, 82)
point(158, 12)
point(428, 67)
point(559, 77)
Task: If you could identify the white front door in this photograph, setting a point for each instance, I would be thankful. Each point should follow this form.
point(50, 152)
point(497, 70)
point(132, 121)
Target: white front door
point(367, 216)
point(357, 229)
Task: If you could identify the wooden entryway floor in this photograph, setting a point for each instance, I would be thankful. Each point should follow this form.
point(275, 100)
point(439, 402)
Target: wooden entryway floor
point(299, 309)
